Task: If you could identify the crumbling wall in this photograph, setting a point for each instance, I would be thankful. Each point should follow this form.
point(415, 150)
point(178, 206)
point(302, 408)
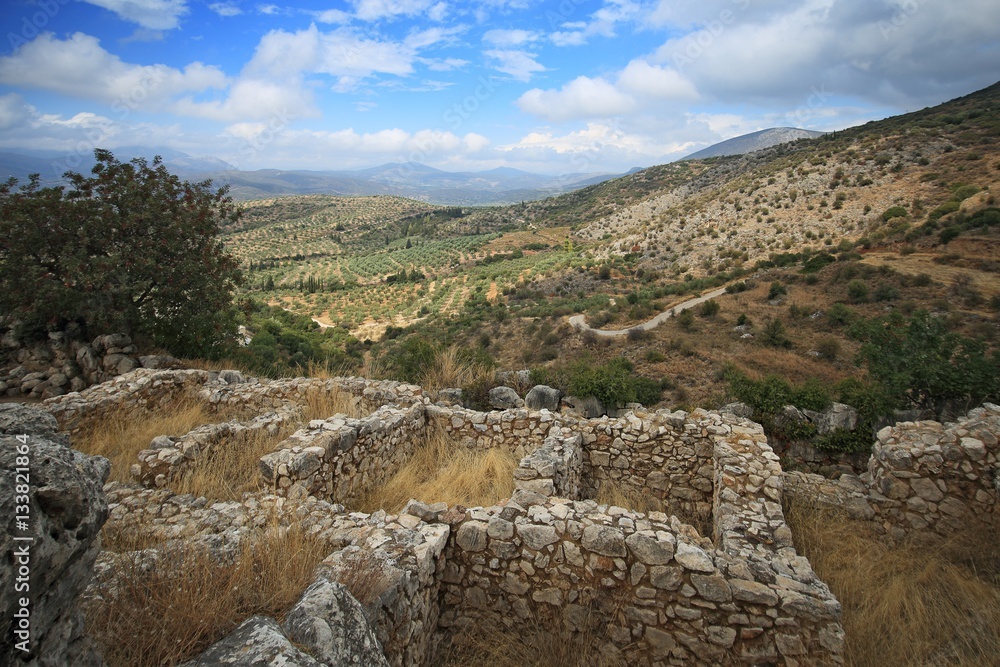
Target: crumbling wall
point(922, 476)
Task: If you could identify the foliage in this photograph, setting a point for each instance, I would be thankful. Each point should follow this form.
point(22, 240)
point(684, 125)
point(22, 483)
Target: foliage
point(776, 290)
point(774, 334)
point(612, 383)
point(769, 396)
point(893, 212)
point(709, 308)
point(920, 363)
point(857, 291)
point(131, 249)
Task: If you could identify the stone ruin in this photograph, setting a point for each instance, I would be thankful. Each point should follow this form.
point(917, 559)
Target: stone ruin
point(715, 581)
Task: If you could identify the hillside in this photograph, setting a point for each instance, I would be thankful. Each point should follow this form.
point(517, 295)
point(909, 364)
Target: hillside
point(754, 141)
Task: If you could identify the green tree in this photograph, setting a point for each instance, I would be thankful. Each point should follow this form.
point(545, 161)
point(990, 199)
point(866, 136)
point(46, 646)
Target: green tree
point(921, 363)
point(130, 249)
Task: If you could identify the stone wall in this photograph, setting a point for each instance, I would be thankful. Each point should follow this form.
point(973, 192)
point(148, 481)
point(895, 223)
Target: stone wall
point(61, 363)
point(922, 476)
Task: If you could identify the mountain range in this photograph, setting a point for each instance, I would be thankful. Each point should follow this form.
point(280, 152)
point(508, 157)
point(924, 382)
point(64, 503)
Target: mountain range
point(502, 185)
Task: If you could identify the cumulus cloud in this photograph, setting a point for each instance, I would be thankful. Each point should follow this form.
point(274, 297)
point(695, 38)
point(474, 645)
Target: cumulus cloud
point(601, 23)
point(371, 10)
point(80, 67)
point(509, 38)
point(151, 14)
point(14, 112)
point(904, 54)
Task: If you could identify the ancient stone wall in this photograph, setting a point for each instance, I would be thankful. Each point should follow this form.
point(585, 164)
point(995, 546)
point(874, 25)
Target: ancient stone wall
point(922, 476)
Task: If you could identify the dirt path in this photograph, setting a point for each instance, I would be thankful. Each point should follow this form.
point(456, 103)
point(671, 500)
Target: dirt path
point(579, 323)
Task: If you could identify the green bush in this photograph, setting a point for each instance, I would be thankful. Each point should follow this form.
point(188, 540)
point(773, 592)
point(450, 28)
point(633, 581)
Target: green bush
point(709, 308)
point(857, 291)
point(774, 334)
point(776, 290)
point(611, 383)
point(948, 234)
point(894, 212)
point(839, 314)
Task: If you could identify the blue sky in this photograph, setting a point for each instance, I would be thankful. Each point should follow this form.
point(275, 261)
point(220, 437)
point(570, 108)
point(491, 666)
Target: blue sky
point(552, 87)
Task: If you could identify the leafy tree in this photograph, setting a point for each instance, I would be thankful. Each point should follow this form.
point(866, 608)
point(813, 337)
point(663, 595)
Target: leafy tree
point(919, 362)
point(130, 249)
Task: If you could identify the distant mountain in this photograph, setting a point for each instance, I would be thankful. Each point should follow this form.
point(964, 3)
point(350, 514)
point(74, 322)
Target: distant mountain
point(502, 185)
point(755, 141)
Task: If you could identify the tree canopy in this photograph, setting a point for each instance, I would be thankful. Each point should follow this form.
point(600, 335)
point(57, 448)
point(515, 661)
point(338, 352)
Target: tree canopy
point(130, 249)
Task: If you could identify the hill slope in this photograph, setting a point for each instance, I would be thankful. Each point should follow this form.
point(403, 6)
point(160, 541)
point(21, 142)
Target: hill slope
point(755, 141)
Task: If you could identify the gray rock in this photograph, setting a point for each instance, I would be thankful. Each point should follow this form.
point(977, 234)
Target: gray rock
point(838, 417)
point(258, 642)
point(125, 365)
point(66, 510)
point(329, 623)
point(542, 397)
point(693, 558)
point(505, 398)
point(588, 408)
point(449, 396)
point(231, 377)
point(157, 361)
point(738, 409)
point(604, 540)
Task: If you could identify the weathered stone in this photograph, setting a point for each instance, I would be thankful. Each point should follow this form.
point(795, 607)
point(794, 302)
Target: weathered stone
point(537, 537)
point(504, 398)
point(752, 591)
point(604, 540)
point(651, 550)
point(660, 642)
point(693, 558)
point(329, 623)
point(472, 535)
point(713, 587)
point(257, 642)
point(66, 508)
point(926, 489)
point(542, 397)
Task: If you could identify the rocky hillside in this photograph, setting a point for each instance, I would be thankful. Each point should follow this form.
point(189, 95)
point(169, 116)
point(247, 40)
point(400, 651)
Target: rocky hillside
point(755, 141)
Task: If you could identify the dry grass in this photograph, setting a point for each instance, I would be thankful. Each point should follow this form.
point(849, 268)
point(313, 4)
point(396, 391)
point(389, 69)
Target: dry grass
point(615, 494)
point(908, 604)
point(442, 470)
point(161, 615)
point(533, 644)
point(232, 467)
point(322, 404)
point(122, 433)
point(364, 575)
point(450, 370)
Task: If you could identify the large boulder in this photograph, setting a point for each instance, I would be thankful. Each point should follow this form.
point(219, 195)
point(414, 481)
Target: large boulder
point(504, 398)
point(588, 407)
point(329, 623)
point(838, 417)
point(53, 548)
point(257, 642)
point(542, 397)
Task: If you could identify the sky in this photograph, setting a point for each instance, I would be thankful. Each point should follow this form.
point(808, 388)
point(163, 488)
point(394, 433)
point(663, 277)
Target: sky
point(552, 87)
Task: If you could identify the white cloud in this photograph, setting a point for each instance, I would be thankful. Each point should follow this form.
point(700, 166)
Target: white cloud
point(79, 67)
point(226, 8)
point(642, 79)
point(372, 10)
point(152, 14)
point(582, 97)
point(508, 38)
point(253, 99)
point(13, 111)
point(519, 64)
point(601, 23)
point(444, 64)
point(268, 10)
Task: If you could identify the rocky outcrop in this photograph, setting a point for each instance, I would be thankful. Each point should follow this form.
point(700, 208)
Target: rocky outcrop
point(257, 642)
point(62, 363)
point(504, 398)
point(53, 502)
point(542, 397)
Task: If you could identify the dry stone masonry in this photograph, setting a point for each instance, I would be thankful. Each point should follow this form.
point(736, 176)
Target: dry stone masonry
point(922, 476)
point(716, 582)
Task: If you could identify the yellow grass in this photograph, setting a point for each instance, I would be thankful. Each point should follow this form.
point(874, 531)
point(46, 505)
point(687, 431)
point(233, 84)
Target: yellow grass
point(231, 469)
point(442, 470)
point(121, 434)
point(322, 404)
point(911, 604)
point(488, 645)
point(161, 615)
point(449, 370)
point(612, 493)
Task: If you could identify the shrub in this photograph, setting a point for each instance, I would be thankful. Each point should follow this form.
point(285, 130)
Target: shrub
point(685, 319)
point(776, 290)
point(839, 314)
point(893, 212)
point(132, 249)
point(829, 348)
point(857, 291)
point(709, 308)
point(774, 334)
point(948, 234)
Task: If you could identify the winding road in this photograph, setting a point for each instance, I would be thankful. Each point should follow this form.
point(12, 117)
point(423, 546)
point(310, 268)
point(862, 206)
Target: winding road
point(579, 323)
